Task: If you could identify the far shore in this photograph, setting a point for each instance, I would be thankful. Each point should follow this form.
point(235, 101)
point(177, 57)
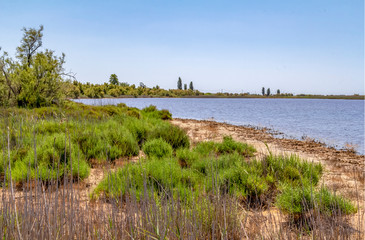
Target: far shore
point(345, 97)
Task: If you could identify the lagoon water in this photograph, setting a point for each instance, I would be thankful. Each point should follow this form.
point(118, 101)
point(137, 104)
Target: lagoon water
point(334, 122)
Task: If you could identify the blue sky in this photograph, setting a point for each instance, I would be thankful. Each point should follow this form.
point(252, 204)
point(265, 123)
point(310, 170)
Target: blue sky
point(312, 46)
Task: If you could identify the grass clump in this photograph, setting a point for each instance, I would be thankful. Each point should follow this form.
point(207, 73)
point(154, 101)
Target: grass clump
point(227, 146)
point(173, 135)
point(158, 148)
point(55, 156)
point(330, 203)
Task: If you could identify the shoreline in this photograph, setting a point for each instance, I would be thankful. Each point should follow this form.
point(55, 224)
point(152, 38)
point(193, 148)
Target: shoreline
point(268, 135)
point(277, 134)
point(331, 97)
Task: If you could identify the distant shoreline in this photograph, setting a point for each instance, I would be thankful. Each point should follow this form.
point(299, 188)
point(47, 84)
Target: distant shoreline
point(345, 97)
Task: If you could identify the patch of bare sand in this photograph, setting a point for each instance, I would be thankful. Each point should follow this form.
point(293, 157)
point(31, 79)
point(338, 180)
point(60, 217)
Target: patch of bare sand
point(344, 170)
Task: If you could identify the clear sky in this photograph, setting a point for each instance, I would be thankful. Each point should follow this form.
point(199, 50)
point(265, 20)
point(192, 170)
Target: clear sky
point(297, 46)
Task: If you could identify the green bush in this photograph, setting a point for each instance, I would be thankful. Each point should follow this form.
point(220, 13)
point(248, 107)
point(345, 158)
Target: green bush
point(173, 135)
point(186, 157)
point(295, 200)
point(330, 203)
point(228, 145)
point(291, 168)
point(134, 113)
point(205, 148)
point(56, 154)
point(107, 140)
point(138, 127)
point(157, 148)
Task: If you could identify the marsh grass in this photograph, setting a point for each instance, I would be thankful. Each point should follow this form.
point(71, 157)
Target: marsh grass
point(212, 191)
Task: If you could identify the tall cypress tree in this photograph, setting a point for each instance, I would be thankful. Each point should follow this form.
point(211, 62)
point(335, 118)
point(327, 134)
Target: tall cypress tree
point(179, 84)
point(191, 87)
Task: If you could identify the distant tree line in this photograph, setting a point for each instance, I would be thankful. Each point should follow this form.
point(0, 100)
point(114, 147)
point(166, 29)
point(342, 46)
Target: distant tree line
point(267, 93)
point(115, 88)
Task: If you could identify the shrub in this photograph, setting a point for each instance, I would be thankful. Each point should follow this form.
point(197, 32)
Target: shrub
point(330, 203)
point(150, 108)
point(138, 127)
point(295, 200)
point(157, 148)
point(186, 157)
point(173, 135)
point(228, 145)
point(107, 139)
point(289, 168)
point(205, 148)
point(55, 155)
point(134, 113)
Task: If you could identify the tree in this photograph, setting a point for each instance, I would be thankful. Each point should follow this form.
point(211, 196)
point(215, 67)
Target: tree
point(31, 41)
point(268, 92)
point(35, 79)
point(113, 79)
point(278, 92)
point(142, 85)
point(179, 84)
point(191, 87)
point(185, 86)
point(263, 91)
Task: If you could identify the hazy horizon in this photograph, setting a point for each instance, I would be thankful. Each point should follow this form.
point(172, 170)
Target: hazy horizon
point(312, 47)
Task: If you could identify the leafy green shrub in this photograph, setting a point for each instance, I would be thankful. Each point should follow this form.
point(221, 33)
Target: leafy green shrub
point(55, 155)
point(156, 174)
point(289, 168)
point(157, 148)
point(205, 148)
point(107, 140)
point(228, 145)
point(150, 108)
point(295, 200)
point(173, 135)
point(186, 157)
point(152, 112)
point(165, 114)
point(121, 142)
point(138, 127)
point(134, 113)
point(330, 204)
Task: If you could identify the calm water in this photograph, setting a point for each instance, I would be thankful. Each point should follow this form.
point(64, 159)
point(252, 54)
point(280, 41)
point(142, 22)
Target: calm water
point(335, 122)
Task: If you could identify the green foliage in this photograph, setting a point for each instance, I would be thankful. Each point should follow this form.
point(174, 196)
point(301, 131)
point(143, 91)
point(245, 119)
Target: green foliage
point(113, 79)
point(55, 156)
point(157, 148)
point(36, 79)
point(191, 87)
point(179, 84)
point(151, 111)
point(186, 157)
point(222, 168)
point(229, 146)
point(107, 140)
point(173, 135)
point(295, 200)
point(330, 203)
point(293, 169)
